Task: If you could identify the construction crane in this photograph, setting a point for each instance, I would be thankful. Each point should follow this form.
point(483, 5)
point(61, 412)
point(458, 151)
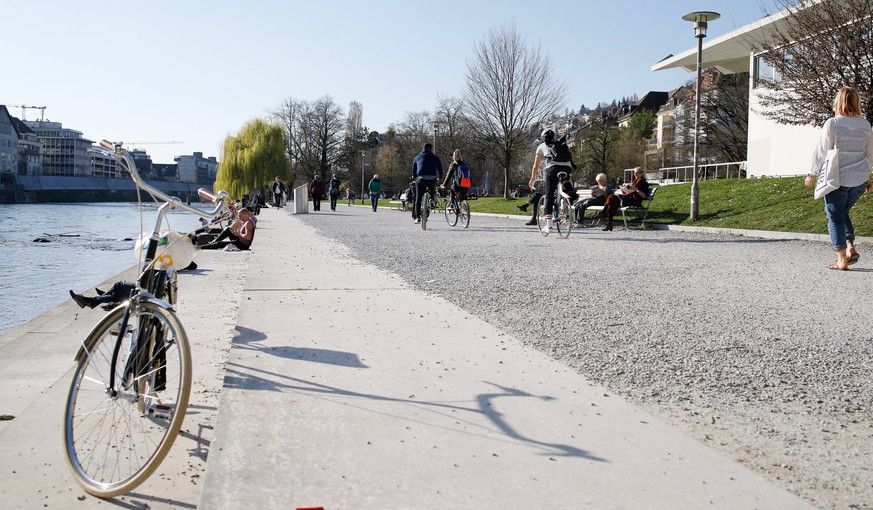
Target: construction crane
point(154, 143)
point(24, 107)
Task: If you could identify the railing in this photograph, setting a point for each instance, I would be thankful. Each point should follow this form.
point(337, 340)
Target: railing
point(674, 174)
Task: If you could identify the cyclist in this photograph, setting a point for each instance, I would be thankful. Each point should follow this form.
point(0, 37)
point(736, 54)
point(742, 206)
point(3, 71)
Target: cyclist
point(426, 169)
point(546, 152)
point(453, 176)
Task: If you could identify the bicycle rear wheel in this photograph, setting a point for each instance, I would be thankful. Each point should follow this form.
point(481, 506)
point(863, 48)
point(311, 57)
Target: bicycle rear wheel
point(541, 216)
point(425, 209)
point(563, 218)
point(117, 434)
point(465, 213)
point(451, 213)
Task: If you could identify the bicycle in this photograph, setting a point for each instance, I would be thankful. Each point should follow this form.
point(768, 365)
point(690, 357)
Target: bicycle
point(562, 213)
point(130, 388)
point(429, 202)
point(457, 208)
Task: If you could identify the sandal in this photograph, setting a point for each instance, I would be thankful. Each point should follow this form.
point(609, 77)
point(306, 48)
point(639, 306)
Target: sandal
point(836, 266)
point(852, 259)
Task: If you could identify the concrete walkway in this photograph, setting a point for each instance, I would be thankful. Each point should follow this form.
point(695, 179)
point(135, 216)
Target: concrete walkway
point(345, 388)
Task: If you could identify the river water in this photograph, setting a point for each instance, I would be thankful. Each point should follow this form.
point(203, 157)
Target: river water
point(87, 244)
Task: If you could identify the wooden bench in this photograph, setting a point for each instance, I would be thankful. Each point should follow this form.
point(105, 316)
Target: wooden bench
point(641, 209)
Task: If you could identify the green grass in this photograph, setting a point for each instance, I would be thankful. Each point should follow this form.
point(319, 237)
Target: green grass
point(776, 204)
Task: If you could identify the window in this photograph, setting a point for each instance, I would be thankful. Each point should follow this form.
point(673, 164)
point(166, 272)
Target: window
point(764, 72)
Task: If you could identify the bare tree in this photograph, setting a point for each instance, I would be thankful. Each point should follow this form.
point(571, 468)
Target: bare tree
point(509, 86)
point(820, 47)
point(314, 132)
point(725, 109)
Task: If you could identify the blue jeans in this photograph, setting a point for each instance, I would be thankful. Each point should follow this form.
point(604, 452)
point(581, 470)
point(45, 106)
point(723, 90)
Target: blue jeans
point(837, 204)
point(374, 200)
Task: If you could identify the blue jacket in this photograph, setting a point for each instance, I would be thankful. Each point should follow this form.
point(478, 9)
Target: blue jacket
point(427, 166)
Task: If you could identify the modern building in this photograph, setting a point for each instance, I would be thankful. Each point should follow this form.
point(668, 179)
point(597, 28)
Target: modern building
point(104, 166)
point(773, 149)
point(65, 151)
point(8, 142)
point(196, 168)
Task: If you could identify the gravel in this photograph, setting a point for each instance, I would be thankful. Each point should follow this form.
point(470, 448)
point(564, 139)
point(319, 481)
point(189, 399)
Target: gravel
point(719, 335)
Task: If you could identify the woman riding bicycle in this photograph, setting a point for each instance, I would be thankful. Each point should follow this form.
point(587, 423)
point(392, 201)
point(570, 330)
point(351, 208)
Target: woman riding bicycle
point(453, 176)
point(546, 152)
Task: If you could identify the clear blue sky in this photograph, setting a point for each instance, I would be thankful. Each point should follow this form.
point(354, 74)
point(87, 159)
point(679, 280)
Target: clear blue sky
point(197, 70)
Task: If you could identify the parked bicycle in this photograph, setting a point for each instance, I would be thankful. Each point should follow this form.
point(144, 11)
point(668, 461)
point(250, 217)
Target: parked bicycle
point(456, 208)
point(130, 389)
point(562, 212)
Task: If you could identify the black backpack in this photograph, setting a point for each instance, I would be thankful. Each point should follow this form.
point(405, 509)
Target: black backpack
point(561, 152)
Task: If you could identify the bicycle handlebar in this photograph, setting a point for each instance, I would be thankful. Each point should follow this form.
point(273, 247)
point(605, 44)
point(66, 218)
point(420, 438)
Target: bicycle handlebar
point(116, 151)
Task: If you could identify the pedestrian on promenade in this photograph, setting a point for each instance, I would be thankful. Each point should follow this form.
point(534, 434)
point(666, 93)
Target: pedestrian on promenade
point(851, 134)
point(547, 154)
point(316, 191)
point(426, 169)
point(333, 191)
point(375, 188)
point(278, 191)
point(350, 195)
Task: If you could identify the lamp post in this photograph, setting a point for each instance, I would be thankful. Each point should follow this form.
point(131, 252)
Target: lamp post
point(436, 127)
point(363, 153)
point(700, 20)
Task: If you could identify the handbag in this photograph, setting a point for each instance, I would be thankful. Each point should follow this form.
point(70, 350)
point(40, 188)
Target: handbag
point(828, 174)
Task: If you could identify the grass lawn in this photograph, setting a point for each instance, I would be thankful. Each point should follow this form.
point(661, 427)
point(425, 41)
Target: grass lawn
point(777, 204)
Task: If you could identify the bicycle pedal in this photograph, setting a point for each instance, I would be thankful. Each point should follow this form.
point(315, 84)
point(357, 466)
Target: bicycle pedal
point(161, 411)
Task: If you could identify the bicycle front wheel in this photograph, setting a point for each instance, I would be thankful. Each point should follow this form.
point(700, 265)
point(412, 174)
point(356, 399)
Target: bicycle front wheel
point(116, 433)
point(541, 216)
point(465, 213)
point(563, 218)
point(451, 213)
point(425, 210)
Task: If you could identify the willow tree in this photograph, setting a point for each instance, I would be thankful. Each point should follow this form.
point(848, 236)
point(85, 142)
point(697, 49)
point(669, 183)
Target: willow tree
point(252, 159)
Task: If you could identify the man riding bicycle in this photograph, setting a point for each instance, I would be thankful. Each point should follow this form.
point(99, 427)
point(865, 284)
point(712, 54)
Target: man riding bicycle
point(426, 169)
point(555, 163)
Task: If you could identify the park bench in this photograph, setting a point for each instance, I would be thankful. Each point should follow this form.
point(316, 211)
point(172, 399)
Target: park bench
point(401, 205)
point(641, 210)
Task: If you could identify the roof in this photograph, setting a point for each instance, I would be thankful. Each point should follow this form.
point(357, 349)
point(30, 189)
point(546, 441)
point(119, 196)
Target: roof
point(730, 52)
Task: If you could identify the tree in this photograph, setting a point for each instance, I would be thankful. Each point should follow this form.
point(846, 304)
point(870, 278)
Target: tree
point(509, 87)
point(314, 134)
point(820, 47)
point(596, 153)
point(252, 159)
point(725, 110)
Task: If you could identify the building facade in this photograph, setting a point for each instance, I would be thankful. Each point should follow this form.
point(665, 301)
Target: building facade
point(196, 168)
point(65, 151)
point(8, 142)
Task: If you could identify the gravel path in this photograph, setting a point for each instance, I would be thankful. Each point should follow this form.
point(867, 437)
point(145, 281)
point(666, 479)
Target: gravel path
point(716, 334)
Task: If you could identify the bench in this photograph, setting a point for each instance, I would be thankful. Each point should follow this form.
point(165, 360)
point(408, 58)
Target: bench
point(642, 209)
point(400, 205)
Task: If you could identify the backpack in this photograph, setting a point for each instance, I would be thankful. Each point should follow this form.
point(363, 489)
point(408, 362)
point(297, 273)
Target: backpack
point(462, 176)
point(561, 152)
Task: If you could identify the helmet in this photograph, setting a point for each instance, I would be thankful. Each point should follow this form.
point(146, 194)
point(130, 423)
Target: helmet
point(548, 135)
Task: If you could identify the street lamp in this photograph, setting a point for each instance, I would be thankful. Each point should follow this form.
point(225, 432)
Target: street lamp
point(700, 20)
point(436, 127)
point(363, 153)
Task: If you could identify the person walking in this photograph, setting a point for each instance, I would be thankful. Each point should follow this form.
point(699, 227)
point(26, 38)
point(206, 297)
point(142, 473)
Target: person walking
point(278, 191)
point(426, 169)
point(350, 195)
point(546, 153)
point(375, 188)
point(334, 191)
point(316, 191)
point(850, 133)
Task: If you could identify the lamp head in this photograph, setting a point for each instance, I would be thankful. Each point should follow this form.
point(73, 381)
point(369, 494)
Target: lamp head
point(700, 20)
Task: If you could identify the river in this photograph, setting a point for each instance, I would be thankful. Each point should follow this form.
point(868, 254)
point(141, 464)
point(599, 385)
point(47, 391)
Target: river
point(86, 244)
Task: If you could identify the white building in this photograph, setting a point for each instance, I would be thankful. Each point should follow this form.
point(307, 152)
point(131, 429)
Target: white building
point(65, 151)
point(774, 149)
point(29, 150)
point(196, 168)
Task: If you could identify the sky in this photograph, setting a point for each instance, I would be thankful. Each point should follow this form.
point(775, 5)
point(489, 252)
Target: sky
point(196, 71)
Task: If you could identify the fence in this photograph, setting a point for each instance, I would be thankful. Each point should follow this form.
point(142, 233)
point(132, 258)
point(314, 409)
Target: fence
point(674, 174)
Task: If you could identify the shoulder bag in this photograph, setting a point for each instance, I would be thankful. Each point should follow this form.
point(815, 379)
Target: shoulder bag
point(828, 174)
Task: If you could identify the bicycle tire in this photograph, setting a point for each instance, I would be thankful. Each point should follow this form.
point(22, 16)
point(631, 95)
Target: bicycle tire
point(425, 209)
point(138, 424)
point(465, 213)
point(451, 213)
point(541, 216)
point(563, 218)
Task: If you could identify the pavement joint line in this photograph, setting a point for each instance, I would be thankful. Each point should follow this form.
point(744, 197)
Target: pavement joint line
point(343, 289)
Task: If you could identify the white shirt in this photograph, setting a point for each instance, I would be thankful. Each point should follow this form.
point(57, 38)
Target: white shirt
point(547, 153)
point(854, 139)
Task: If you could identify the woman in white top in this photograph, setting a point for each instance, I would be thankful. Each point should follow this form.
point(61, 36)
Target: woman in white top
point(849, 132)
